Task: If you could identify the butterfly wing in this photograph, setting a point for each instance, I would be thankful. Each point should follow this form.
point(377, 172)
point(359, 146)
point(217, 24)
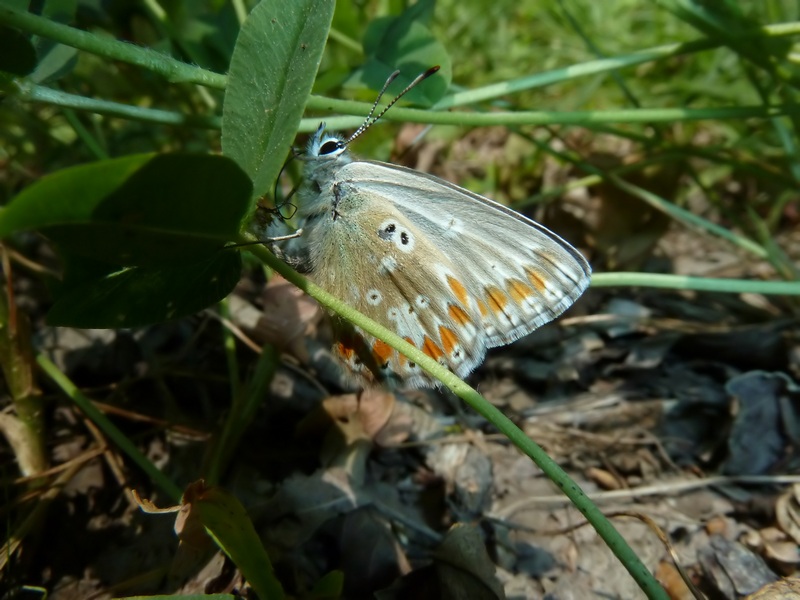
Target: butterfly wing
point(450, 271)
point(516, 274)
point(376, 259)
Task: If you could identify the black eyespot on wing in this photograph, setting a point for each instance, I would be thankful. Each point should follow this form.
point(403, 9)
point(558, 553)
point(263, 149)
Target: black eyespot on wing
point(387, 232)
point(404, 238)
point(330, 147)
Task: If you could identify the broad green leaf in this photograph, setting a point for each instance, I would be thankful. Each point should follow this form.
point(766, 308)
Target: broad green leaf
point(17, 56)
point(139, 296)
point(271, 74)
point(406, 44)
point(226, 520)
point(141, 210)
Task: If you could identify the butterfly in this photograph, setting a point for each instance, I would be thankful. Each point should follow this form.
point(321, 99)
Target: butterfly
point(451, 272)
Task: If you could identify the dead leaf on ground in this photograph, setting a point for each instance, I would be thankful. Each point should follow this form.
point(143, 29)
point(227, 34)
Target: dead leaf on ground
point(289, 317)
point(733, 569)
point(785, 589)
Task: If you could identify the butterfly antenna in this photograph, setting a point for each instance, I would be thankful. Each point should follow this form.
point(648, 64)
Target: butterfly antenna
point(366, 122)
point(370, 120)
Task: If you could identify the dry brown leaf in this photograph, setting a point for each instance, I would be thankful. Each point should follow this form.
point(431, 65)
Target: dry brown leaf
point(716, 525)
point(670, 578)
point(603, 478)
point(733, 569)
point(787, 512)
point(375, 407)
point(780, 548)
point(289, 317)
point(464, 567)
point(360, 416)
point(785, 589)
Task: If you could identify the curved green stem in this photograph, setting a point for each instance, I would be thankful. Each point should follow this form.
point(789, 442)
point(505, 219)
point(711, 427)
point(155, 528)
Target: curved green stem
point(594, 67)
point(169, 68)
point(549, 117)
point(601, 524)
point(698, 284)
point(39, 93)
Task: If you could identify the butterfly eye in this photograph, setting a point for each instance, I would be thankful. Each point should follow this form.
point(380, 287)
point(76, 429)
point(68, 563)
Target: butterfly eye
point(330, 147)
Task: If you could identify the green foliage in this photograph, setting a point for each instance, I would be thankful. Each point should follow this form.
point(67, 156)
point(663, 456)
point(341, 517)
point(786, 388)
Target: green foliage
point(226, 520)
point(17, 55)
point(142, 235)
point(405, 43)
point(271, 74)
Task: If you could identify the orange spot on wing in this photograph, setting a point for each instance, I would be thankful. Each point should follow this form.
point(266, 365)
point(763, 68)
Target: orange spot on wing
point(430, 348)
point(496, 298)
point(458, 289)
point(382, 352)
point(345, 351)
point(449, 339)
point(403, 359)
point(536, 280)
point(482, 308)
point(518, 290)
point(458, 314)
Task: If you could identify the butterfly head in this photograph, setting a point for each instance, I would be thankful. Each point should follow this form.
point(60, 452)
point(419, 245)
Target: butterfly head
point(324, 145)
point(325, 154)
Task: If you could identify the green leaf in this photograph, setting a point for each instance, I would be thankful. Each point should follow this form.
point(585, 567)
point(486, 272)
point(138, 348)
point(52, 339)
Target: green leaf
point(204, 32)
point(17, 55)
point(329, 587)
point(139, 296)
point(406, 44)
point(726, 21)
point(55, 60)
point(272, 71)
point(141, 210)
point(226, 520)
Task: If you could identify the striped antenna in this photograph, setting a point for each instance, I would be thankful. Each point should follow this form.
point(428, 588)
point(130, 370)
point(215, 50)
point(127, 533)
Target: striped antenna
point(369, 121)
